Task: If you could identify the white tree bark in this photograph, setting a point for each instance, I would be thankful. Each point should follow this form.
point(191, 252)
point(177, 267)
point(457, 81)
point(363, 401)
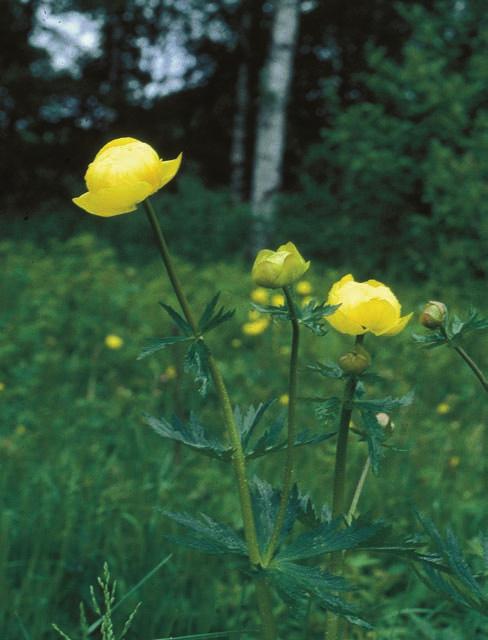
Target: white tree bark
point(271, 121)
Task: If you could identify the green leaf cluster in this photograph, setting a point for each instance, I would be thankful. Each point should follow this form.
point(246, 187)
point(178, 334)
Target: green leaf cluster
point(196, 360)
point(196, 436)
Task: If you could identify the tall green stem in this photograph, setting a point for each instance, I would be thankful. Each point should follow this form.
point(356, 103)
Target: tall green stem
point(238, 457)
point(289, 470)
point(468, 360)
point(473, 366)
point(265, 606)
point(339, 486)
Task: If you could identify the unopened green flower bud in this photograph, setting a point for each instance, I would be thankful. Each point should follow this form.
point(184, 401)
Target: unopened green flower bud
point(433, 315)
point(355, 361)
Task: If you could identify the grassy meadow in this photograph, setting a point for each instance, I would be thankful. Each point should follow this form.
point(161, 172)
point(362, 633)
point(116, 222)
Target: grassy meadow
point(85, 481)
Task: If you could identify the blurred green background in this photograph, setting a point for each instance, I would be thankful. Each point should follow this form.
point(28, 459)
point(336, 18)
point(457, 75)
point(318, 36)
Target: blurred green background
point(384, 175)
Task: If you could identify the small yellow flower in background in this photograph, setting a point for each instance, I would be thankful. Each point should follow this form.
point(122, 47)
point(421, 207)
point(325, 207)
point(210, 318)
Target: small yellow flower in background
point(277, 299)
point(443, 408)
point(20, 430)
point(2, 386)
point(285, 350)
point(280, 268)
point(255, 327)
point(304, 288)
point(113, 342)
point(306, 300)
point(170, 372)
point(284, 399)
point(236, 343)
point(454, 462)
point(260, 295)
point(124, 173)
point(365, 306)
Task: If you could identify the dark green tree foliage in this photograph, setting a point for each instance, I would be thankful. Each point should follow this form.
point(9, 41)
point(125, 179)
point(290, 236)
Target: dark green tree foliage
point(399, 180)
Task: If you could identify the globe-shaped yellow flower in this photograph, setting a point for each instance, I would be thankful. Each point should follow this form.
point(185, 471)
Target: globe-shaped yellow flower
point(365, 307)
point(280, 268)
point(124, 173)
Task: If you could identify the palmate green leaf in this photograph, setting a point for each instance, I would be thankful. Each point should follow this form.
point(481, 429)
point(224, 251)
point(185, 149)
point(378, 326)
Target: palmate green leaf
point(178, 320)
point(273, 441)
point(207, 535)
point(450, 573)
point(312, 316)
point(192, 435)
point(430, 340)
point(328, 370)
point(328, 409)
point(296, 583)
point(265, 502)
point(474, 322)
point(211, 318)
point(387, 404)
point(375, 436)
point(278, 312)
point(161, 343)
point(329, 537)
point(248, 420)
point(309, 515)
point(196, 362)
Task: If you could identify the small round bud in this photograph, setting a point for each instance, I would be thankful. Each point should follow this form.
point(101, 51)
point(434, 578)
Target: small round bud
point(356, 361)
point(433, 315)
point(385, 421)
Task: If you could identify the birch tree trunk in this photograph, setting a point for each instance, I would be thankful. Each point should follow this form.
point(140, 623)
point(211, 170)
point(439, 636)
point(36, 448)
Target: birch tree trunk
point(271, 120)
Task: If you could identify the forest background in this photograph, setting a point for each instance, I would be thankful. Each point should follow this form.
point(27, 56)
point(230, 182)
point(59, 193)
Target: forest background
point(383, 173)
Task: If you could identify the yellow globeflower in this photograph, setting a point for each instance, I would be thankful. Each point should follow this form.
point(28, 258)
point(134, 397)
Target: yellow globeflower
point(255, 327)
point(260, 295)
point(277, 299)
point(113, 342)
point(280, 268)
point(170, 372)
point(365, 306)
point(304, 288)
point(443, 408)
point(124, 173)
point(284, 399)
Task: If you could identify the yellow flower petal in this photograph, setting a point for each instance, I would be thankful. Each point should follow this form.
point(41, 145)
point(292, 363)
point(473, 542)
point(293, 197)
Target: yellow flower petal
point(115, 200)
point(168, 170)
point(399, 326)
point(375, 315)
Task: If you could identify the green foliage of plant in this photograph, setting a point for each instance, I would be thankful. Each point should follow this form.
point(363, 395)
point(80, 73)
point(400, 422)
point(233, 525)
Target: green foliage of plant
point(84, 480)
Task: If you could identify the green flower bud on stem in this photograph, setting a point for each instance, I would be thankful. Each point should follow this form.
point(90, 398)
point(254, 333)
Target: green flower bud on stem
point(433, 315)
point(355, 361)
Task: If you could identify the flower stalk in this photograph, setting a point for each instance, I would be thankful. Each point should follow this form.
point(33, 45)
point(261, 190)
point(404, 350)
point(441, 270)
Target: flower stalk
point(468, 360)
point(339, 486)
point(289, 470)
